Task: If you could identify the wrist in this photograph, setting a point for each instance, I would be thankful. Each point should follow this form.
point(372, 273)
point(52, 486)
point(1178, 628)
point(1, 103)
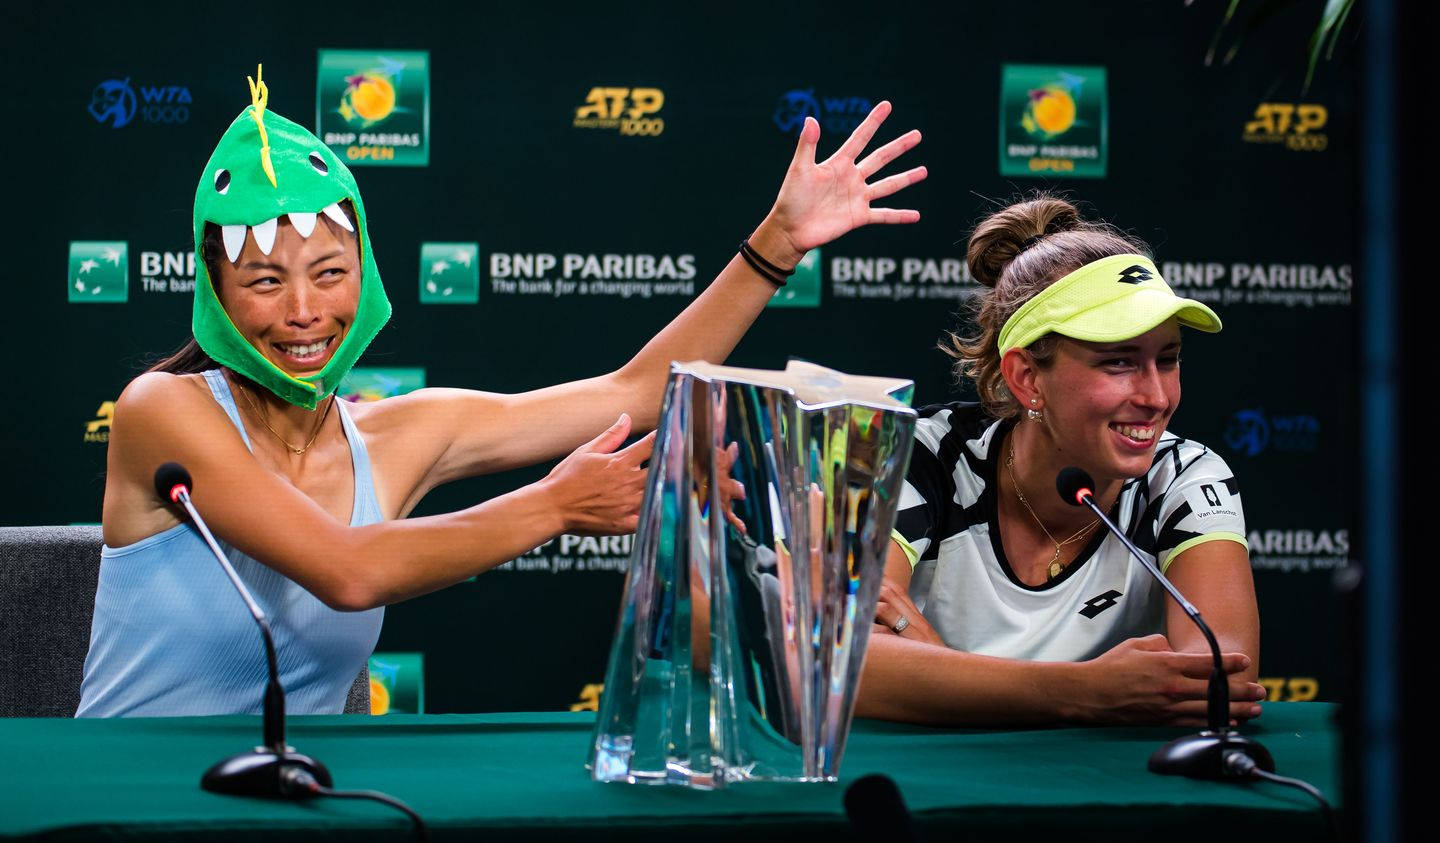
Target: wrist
point(1067, 687)
point(550, 510)
point(774, 243)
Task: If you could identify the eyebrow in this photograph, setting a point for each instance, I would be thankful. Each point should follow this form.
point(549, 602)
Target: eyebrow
point(278, 268)
point(1130, 349)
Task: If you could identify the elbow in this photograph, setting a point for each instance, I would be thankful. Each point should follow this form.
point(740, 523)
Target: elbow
point(351, 587)
point(351, 597)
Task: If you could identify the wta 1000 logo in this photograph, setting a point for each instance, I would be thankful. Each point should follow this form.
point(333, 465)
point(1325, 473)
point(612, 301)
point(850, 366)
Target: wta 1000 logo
point(631, 111)
point(115, 103)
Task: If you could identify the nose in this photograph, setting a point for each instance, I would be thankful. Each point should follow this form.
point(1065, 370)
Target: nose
point(302, 306)
point(1150, 392)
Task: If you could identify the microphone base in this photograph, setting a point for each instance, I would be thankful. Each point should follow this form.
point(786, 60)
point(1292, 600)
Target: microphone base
point(257, 773)
point(1202, 756)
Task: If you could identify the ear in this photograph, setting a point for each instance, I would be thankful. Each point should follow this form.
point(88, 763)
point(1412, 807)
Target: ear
point(1022, 376)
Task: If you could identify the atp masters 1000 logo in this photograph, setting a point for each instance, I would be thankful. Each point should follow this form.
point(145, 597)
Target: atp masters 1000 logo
point(1296, 125)
point(1053, 121)
point(632, 111)
point(374, 108)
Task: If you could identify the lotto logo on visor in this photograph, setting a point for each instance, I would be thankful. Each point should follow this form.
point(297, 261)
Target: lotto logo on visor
point(1135, 274)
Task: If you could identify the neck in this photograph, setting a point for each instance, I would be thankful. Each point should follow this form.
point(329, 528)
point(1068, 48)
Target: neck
point(1038, 460)
point(292, 423)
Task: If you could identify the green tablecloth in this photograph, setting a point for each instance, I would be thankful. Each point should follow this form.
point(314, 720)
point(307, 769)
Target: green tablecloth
point(521, 776)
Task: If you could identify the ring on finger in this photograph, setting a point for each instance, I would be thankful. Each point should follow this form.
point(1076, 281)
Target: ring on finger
point(901, 625)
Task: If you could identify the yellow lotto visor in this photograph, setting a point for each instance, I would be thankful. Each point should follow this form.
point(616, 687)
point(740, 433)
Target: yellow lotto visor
point(1112, 299)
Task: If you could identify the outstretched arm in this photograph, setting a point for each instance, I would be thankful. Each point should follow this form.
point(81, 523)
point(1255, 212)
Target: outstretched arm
point(817, 203)
point(162, 417)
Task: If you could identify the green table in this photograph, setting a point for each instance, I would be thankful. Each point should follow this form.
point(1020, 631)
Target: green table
point(519, 776)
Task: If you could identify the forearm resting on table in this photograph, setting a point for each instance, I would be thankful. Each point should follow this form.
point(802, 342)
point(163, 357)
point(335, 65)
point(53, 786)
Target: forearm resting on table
point(384, 563)
point(922, 683)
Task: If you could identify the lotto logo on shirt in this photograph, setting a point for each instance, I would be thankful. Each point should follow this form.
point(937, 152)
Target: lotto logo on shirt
point(99, 271)
point(631, 111)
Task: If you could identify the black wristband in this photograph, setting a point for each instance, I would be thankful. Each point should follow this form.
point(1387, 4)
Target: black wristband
point(760, 270)
point(769, 271)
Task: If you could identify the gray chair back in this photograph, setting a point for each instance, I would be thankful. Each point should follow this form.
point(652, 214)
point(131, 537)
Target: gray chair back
point(47, 597)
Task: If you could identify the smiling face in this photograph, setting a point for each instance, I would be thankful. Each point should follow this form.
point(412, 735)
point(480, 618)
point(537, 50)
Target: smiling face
point(296, 304)
point(1106, 404)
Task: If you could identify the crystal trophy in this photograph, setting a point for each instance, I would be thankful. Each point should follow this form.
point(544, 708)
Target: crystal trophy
point(746, 613)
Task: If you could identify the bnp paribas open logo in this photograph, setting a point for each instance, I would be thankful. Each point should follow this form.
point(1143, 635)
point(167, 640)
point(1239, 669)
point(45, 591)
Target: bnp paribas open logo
point(397, 683)
point(363, 384)
point(449, 273)
point(1053, 121)
point(374, 108)
point(803, 288)
point(99, 271)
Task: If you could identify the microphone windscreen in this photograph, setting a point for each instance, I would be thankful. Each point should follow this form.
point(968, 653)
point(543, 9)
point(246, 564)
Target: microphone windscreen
point(1069, 483)
point(876, 810)
point(168, 476)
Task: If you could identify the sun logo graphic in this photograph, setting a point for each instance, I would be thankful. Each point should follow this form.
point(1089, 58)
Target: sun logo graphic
point(370, 95)
point(99, 271)
point(449, 273)
point(397, 683)
point(1051, 110)
point(364, 384)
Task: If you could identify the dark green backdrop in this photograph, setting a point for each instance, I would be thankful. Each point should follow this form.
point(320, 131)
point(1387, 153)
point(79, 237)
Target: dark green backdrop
point(1204, 163)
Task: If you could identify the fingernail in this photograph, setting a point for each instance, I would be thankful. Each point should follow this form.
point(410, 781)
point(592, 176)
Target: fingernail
point(1244, 662)
point(1254, 711)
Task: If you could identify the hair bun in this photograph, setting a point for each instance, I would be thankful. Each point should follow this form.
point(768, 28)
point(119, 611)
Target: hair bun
point(1003, 235)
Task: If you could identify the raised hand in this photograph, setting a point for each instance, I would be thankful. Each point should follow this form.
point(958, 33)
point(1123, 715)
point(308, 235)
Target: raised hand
point(820, 202)
point(598, 489)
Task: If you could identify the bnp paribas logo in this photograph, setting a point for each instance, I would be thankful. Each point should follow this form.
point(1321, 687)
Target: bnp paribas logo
point(99, 271)
point(449, 273)
point(803, 288)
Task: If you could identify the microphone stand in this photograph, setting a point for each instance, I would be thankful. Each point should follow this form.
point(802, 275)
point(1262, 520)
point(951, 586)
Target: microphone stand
point(266, 770)
point(1207, 755)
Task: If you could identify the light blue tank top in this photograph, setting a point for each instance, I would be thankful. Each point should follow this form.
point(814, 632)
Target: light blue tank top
point(172, 637)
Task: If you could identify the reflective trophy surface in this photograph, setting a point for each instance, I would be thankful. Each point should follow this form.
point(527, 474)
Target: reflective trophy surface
point(746, 614)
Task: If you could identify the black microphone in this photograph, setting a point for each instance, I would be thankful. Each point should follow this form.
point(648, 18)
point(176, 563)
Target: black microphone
point(1202, 756)
point(267, 770)
point(876, 811)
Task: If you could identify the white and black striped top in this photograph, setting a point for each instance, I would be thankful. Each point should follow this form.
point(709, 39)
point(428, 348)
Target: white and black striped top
point(964, 585)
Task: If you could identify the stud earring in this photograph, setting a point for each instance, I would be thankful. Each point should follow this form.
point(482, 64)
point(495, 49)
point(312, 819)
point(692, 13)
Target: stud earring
point(1033, 414)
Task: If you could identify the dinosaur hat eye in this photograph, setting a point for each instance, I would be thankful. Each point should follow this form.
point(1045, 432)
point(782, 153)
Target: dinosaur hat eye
point(318, 163)
point(222, 181)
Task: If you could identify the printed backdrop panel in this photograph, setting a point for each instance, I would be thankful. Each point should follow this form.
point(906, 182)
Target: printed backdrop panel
point(570, 179)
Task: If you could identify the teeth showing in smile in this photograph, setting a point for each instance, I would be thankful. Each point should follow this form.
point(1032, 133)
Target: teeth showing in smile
point(304, 350)
point(303, 221)
point(1141, 434)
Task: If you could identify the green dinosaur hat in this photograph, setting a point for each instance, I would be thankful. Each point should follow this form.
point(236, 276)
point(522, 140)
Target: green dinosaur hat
point(264, 167)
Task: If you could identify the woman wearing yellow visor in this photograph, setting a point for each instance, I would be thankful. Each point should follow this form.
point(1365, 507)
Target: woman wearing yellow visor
point(1003, 604)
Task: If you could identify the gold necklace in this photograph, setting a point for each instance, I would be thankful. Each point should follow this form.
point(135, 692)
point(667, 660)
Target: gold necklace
point(1054, 568)
point(291, 448)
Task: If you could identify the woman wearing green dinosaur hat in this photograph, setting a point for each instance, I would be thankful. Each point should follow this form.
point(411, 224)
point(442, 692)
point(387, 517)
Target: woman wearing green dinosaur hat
point(308, 494)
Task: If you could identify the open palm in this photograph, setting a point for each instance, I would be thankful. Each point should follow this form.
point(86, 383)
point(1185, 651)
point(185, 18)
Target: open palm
point(820, 202)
